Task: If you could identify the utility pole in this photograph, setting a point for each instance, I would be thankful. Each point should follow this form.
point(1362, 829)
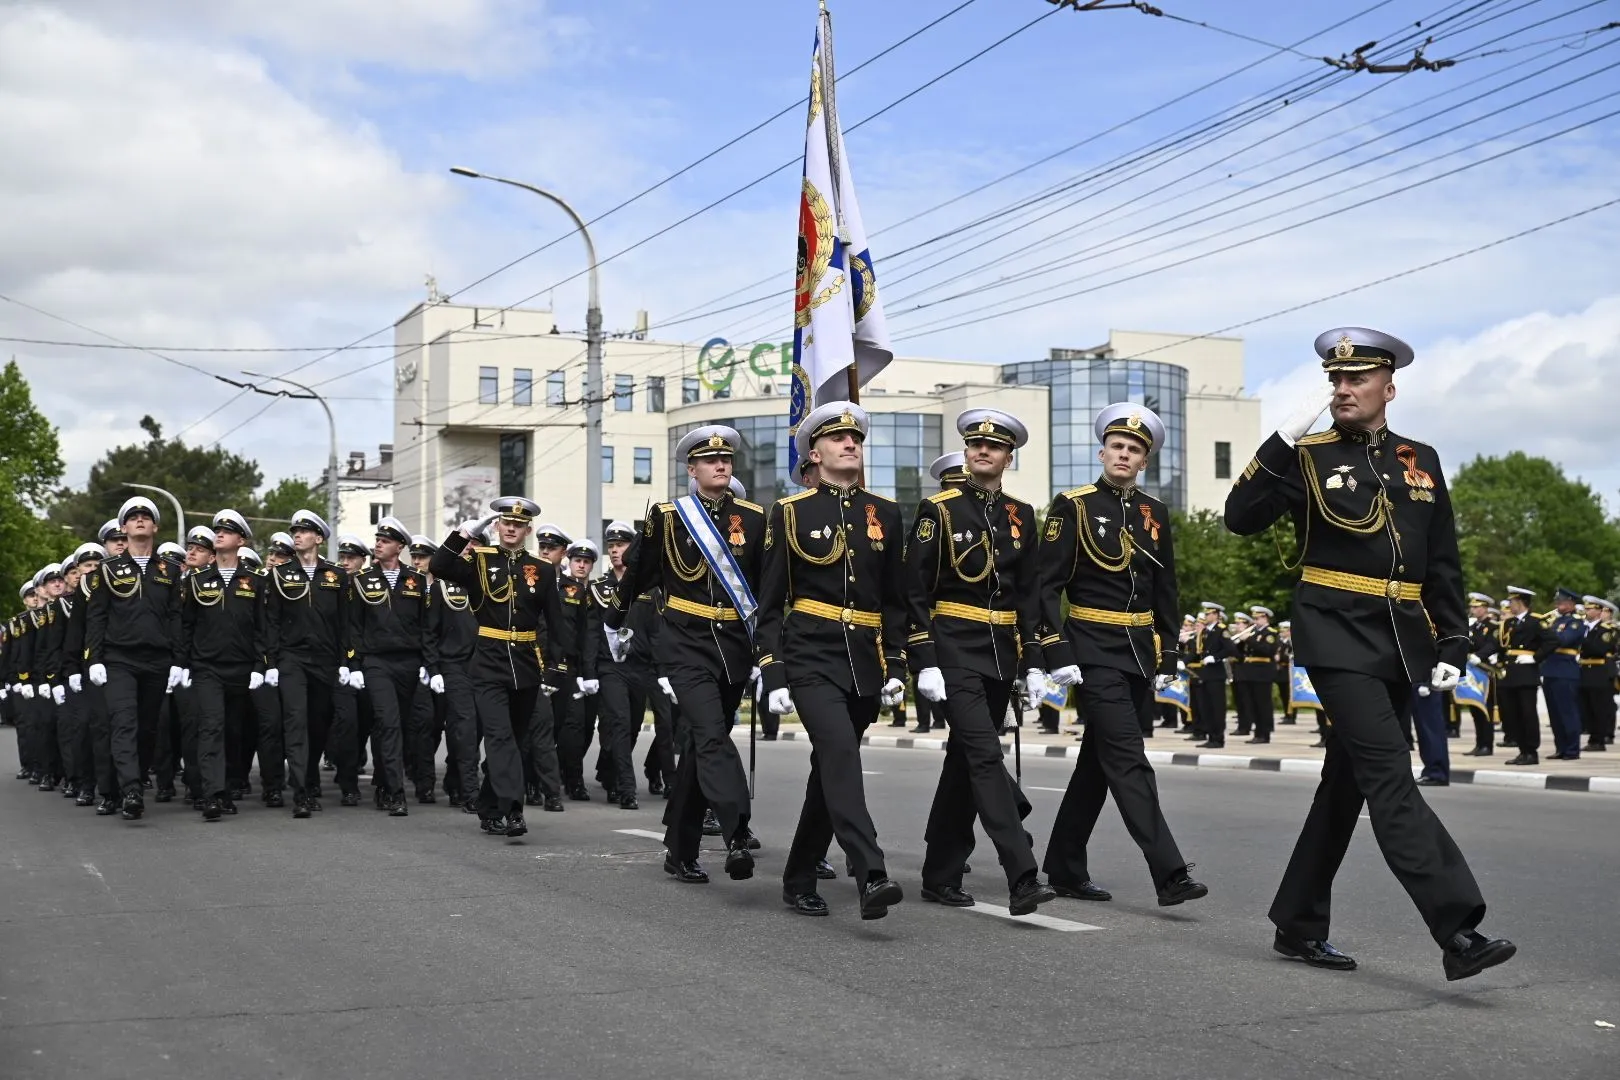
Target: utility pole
point(331, 457)
point(179, 514)
point(593, 355)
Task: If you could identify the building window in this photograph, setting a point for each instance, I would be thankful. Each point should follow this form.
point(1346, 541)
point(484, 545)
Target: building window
point(1223, 461)
point(522, 386)
point(643, 465)
point(691, 393)
point(624, 393)
point(380, 511)
point(556, 388)
point(722, 392)
point(489, 386)
point(607, 464)
point(514, 463)
point(655, 393)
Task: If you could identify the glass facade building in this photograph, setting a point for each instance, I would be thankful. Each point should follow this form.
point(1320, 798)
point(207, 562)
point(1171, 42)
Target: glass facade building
point(1081, 384)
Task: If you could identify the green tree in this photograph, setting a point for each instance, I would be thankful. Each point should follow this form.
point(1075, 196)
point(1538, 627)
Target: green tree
point(277, 506)
point(30, 463)
point(1521, 521)
point(1238, 571)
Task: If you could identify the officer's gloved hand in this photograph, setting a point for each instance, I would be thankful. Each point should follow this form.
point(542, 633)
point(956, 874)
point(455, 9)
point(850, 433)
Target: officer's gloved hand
point(1445, 677)
point(343, 676)
point(272, 677)
point(1067, 675)
point(26, 690)
point(177, 675)
point(1525, 659)
point(185, 678)
point(663, 684)
point(931, 684)
point(1162, 683)
point(474, 530)
point(587, 687)
point(255, 681)
point(357, 680)
point(1473, 658)
point(422, 675)
point(59, 694)
point(1209, 660)
point(892, 694)
point(436, 684)
point(1303, 418)
point(1035, 687)
point(76, 683)
point(780, 702)
point(98, 674)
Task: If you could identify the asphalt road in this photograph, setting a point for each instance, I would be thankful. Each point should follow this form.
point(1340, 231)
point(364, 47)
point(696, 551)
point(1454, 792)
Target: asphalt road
point(356, 945)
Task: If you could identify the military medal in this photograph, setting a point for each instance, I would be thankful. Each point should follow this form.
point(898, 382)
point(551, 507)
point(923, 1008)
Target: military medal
point(1102, 519)
point(1341, 478)
point(1016, 525)
point(874, 528)
point(737, 539)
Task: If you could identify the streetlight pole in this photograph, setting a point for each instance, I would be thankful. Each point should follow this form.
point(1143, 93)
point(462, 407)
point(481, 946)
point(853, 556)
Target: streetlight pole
point(593, 355)
point(331, 457)
point(179, 514)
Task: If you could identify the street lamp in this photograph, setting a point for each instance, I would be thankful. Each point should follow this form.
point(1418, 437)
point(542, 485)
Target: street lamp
point(593, 354)
point(179, 514)
point(331, 458)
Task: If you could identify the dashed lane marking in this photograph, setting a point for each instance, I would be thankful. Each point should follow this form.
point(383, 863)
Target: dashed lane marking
point(1049, 922)
point(646, 834)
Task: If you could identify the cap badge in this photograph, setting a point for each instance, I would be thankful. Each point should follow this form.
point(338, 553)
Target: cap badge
point(1135, 422)
point(985, 427)
point(847, 418)
point(1345, 349)
point(716, 441)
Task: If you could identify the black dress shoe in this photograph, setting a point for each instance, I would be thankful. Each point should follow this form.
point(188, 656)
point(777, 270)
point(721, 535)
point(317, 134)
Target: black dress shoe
point(1480, 751)
point(397, 806)
point(300, 807)
point(825, 871)
point(1319, 744)
point(897, 723)
point(1181, 888)
point(966, 869)
point(739, 863)
point(86, 797)
point(1593, 746)
point(1471, 952)
point(1526, 757)
point(1210, 746)
point(470, 806)
point(313, 802)
point(275, 801)
point(1432, 781)
point(770, 736)
point(1315, 953)
point(1260, 740)
point(1509, 742)
point(426, 797)
point(350, 798)
point(164, 794)
point(70, 791)
point(379, 798)
point(579, 794)
point(1086, 890)
point(746, 835)
point(879, 895)
point(808, 903)
point(711, 824)
point(212, 810)
point(228, 806)
point(47, 783)
point(515, 825)
point(1029, 894)
point(920, 730)
point(949, 895)
point(532, 797)
point(687, 870)
point(554, 804)
point(107, 808)
point(134, 805)
point(495, 826)
point(654, 786)
point(628, 802)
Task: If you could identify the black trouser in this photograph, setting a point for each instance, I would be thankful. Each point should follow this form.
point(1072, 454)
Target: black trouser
point(835, 794)
point(171, 740)
point(1210, 695)
point(1368, 761)
point(1050, 718)
point(623, 703)
point(106, 773)
point(218, 701)
point(1484, 731)
point(392, 682)
point(575, 721)
point(461, 733)
point(538, 747)
point(659, 764)
point(306, 721)
point(271, 745)
point(1597, 714)
point(973, 782)
point(770, 725)
point(1520, 721)
point(1254, 702)
point(1113, 760)
point(346, 746)
point(710, 775)
point(241, 742)
point(135, 697)
point(83, 767)
point(1284, 690)
point(925, 712)
point(505, 716)
point(185, 706)
point(422, 744)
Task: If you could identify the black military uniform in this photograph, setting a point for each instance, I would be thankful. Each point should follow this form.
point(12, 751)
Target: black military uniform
point(1284, 678)
point(1599, 649)
point(455, 628)
point(627, 672)
point(50, 678)
point(1482, 644)
point(514, 597)
point(1380, 562)
point(80, 754)
point(1254, 669)
point(706, 652)
point(1206, 680)
point(832, 627)
point(973, 612)
point(581, 641)
point(1109, 551)
point(1524, 642)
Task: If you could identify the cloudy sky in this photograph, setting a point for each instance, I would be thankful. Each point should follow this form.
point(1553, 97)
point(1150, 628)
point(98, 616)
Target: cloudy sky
point(226, 173)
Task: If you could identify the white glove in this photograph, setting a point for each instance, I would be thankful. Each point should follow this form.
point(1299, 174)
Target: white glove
point(1304, 418)
point(98, 675)
point(59, 694)
point(1209, 661)
point(436, 684)
point(1445, 677)
point(357, 680)
point(1067, 675)
point(780, 701)
point(931, 684)
point(892, 694)
point(588, 687)
point(663, 684)
point(26, 690)
point(4, 690)
point(422, 675)
point(1181, 666)
point(76, 683)
point(1525, 659)
point(473, 529)
point(177, 675)
point(185, 678)
point(1035, 686)
point(272, 677)
point(343, 676)
point(1162, 683)
point(1473, 658)
point(255, 681)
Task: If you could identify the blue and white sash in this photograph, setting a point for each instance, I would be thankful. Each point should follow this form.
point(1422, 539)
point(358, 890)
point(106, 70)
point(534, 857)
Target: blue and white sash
point(717, 553)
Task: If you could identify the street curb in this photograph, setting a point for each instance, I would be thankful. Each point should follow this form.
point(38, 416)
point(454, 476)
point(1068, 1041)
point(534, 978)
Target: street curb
point(1534, 781)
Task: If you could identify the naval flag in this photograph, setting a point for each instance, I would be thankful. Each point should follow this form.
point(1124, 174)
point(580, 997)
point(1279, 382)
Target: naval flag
point(837, 316)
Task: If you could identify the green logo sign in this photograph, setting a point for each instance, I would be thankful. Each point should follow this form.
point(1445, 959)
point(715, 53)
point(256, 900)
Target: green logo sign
point(718, 359)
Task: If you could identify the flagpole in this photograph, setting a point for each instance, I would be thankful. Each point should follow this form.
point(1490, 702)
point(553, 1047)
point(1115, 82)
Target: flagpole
point(829, 77)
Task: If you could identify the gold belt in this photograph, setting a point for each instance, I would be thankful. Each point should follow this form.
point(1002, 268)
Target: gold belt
point(507, 635)
point(832, 612)
point(1567, 652)
point(1258, 660)
point(1112, 618)
point(702, 611)
point(1594, 662)
point(1366, 586)
point(1521, 652)
point(975, 614)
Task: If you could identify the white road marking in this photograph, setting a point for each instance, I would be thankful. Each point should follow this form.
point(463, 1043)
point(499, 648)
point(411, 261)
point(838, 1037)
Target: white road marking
point(90, 868)
point(1060, 791)
point(644, 833)
point(1049, 922)
point(868, 772)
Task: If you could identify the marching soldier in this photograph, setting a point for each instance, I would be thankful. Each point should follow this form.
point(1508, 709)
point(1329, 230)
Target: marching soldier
point(50, 682)
point(427, 720)
point(1561, 676)
point(1483, 652)
point(352, 716)
point(1599, 649)
point(973, 612)
point(625, 671)
point(455, 627)
point(1372, 502)
point(176, 737)
point(87, 565)
point(514, 597)
point(581, 643)
point(1237, 635)
point(24, 646)
point(1285, 661)
point(1524, 643)
point(832, 619)
point(1254, 669)
point(1206, 677)
point(704, 551)
point(1107, 548)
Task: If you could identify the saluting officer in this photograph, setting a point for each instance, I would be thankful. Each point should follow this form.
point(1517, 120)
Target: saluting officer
point(1484, 652)
point(832, 623)
point(223, 646)
point(1107, 549)
point(1379, 563)
point(1561, 676)
point(514, 596)
point(307, 639)
point(1599, 649)
point(973, 611)
point(132, 636)
point(1525, 643)
point(1254, 669)
point(704, 551)
point(1206, 676)
point(392, 648)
